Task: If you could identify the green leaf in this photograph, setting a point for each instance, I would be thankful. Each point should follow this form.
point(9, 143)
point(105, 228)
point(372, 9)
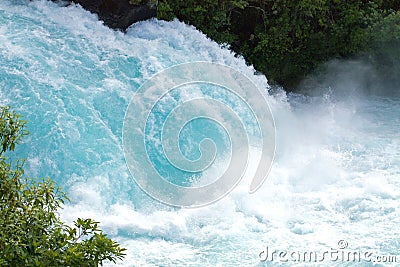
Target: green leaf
point(31, 232)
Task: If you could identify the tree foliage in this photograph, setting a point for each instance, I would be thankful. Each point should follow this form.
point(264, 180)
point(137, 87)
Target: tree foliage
point(287, 39)
point(31, 232)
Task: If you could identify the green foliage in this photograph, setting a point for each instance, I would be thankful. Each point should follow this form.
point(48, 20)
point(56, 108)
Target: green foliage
point(136, 2)
point(31, 233)
point(385, 48)
point(142, 2)
point(164, 11)
point(287, 39)
point(300, 35)
point(210, 16)
point(11, 129)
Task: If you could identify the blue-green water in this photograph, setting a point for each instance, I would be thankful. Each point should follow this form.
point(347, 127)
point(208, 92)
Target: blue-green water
point(335, 176)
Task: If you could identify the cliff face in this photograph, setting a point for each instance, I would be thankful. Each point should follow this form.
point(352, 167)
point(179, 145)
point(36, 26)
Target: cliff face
point(119, 14)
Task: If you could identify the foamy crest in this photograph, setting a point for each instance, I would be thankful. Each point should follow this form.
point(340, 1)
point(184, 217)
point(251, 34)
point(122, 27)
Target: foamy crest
point(335, 175)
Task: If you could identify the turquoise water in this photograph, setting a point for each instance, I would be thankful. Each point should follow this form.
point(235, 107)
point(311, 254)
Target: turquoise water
point(335, 175)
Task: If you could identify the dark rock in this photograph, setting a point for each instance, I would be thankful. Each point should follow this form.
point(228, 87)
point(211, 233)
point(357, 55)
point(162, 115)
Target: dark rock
point(119, 14)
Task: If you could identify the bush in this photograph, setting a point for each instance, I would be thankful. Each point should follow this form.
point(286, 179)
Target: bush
point(31, 232)
point(285, 39)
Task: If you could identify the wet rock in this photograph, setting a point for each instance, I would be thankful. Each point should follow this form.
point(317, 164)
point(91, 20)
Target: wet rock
point(120, 14)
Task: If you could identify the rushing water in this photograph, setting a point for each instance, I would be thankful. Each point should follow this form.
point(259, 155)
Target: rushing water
point(335, 175)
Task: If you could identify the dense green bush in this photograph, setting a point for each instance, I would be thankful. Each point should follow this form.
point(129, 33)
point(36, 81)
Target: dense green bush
point(385, 48)
point(212, 17)
point(31, 232)
point(287, 39)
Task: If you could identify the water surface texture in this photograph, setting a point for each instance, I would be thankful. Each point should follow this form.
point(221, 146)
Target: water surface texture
point(335, 175)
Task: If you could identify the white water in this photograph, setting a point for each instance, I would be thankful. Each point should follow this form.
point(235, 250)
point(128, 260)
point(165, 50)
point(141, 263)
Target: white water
point(335, 176)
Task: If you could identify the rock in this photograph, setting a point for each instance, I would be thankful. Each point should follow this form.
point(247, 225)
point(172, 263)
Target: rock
point(119, 14)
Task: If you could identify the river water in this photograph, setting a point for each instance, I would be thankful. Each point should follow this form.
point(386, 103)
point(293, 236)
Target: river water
point(334, 183)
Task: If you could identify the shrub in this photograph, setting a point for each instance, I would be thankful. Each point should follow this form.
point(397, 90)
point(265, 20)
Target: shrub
point(31, 232)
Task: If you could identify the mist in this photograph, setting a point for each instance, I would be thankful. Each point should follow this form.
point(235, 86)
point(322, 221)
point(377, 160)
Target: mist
point(364, 76)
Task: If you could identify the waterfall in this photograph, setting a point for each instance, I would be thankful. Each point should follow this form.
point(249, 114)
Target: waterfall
point(335, 174)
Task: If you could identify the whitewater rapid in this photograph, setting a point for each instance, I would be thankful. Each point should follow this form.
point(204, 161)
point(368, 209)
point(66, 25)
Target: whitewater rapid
point(335, 175)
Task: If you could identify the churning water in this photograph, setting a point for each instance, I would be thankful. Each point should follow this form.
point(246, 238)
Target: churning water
point(336, 173)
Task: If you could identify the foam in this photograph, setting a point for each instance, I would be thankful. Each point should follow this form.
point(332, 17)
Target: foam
point(335, 174)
